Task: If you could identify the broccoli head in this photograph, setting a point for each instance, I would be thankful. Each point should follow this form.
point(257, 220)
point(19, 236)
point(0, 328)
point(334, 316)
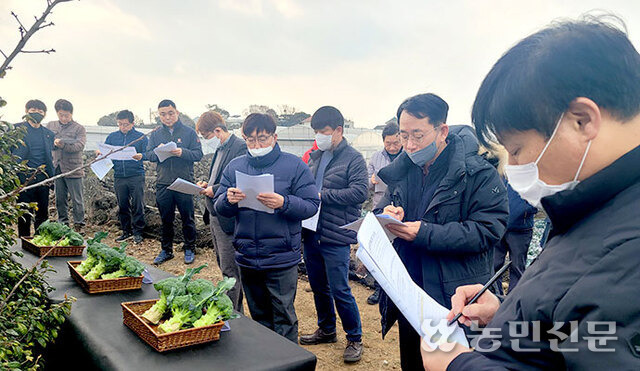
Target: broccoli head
point(130, 267)
point(168, 288)
point(220, 309)
point(184, 311)
point(109, 261)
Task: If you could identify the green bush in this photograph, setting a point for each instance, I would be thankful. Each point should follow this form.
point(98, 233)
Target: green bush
point(28, 320)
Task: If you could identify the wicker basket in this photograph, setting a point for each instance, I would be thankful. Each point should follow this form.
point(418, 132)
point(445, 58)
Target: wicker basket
point(109, 285)
point(131, 313)
point(57, 250)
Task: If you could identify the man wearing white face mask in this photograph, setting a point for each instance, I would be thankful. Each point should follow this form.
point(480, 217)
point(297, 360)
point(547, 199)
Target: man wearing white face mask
point(225, 146)
point(565, 103)
point(341, 177)
point(453, 203)
point(268, 245)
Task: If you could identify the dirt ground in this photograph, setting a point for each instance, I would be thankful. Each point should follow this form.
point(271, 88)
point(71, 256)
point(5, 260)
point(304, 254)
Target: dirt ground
point(378, 353)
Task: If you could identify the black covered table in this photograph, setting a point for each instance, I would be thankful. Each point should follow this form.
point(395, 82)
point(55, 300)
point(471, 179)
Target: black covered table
point(94, 337)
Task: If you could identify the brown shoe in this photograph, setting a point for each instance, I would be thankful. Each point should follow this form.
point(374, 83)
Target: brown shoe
point(353, 351)
point(318, 337)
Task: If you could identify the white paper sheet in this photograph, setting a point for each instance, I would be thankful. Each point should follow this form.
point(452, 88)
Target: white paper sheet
point(126, 154)
point(101, 168)
point(183, 186)
point(384, 221)
point(312, 223)
point(251, 186)
point(164, 151)
point(382, 261)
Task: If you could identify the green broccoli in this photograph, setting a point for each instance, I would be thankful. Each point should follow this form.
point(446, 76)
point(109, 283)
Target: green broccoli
point(92, 258)
point(184, 311)
point(166, 287)
point(201, 288)
point(130, 267)
point(109, 261)
point(220, 309)
point(54, 230)
point(75, 239)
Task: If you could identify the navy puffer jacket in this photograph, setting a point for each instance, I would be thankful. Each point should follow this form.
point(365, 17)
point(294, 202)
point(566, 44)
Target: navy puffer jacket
point(262, 240)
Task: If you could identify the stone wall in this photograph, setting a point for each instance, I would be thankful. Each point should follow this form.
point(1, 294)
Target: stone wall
point(101, 207)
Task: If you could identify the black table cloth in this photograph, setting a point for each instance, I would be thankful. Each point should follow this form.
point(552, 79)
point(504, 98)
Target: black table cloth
point(94, 337)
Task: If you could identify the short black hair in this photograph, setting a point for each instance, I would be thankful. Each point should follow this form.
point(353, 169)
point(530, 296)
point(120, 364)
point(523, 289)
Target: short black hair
point(125, 115)
point(63, 105)
point(259, 122)
point(390, 129)
point(534, 82)
point(35, 103)
point(326, 116)
point(166, 103)
point(425, 105)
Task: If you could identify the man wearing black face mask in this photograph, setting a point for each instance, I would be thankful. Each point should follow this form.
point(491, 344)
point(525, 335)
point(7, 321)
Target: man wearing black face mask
point(453, 203)
point(38, 142)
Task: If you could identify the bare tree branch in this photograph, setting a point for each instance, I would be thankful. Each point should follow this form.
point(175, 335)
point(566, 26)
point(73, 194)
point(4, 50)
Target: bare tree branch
point(28, 33)
point(22, 28)
point(46, 25)
point(5, 56)
point(38, 51)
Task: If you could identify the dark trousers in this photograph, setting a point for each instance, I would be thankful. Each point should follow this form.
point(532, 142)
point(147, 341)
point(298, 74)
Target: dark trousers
point(167, 201)
point(270, 294)
point(517, 244)
point(328, 272)
point(130, 195)
point(39, 195)
point(409, 340)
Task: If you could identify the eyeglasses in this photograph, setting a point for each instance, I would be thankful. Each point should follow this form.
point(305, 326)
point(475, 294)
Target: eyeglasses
point(262, 139)
point(416, 136)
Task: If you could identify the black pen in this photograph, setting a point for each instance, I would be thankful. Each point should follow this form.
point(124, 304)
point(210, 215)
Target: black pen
point(486, 286)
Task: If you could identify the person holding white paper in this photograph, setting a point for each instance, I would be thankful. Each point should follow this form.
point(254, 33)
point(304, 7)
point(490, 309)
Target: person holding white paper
point(180, 165)
point(268, 244)
point(340, 174)
point(454, 207)
point(128, 178)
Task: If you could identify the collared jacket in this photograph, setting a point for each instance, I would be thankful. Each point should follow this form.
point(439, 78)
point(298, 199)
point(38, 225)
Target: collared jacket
point(465, 218)
point(582, 292)
point(74, 138)
point(175, 167)
point(128, 168)
point(378, 160)
point(232, 148)
point(344, 189)
point(263, 240)
point(23, 151)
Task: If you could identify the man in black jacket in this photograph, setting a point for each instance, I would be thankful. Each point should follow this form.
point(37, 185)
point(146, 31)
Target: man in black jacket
point(226, 147)
point(341, 177)
point(565, 103)
point(179, 165)
point(36, 149)
point(453, 203)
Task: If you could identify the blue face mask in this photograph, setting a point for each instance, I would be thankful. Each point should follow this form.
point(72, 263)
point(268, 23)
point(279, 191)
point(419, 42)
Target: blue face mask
point(421, 157)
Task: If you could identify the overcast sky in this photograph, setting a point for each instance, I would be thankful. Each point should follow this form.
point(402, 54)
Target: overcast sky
point(363, 57)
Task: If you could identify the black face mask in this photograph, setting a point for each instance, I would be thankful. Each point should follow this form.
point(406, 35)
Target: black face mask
point(36, 117)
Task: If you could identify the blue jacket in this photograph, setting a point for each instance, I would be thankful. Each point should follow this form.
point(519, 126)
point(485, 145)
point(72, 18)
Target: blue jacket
point(23, 151)
point(175, 167)
point(344, 189)
point(129, 168)
point(521, 212)
point(466, 217)
point(262, 240)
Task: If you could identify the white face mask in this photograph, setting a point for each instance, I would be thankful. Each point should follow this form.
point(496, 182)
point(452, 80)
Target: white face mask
point(210, 145)
point(323, 141)
point(259, 152)
point(525, 179)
